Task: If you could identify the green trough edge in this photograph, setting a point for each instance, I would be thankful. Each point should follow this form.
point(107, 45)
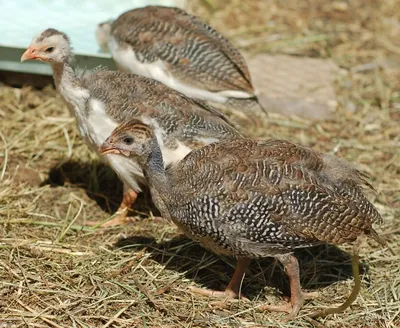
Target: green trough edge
point(10, 61)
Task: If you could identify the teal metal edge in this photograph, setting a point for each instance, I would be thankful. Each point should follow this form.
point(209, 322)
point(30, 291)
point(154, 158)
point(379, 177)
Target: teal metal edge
point(10, 61)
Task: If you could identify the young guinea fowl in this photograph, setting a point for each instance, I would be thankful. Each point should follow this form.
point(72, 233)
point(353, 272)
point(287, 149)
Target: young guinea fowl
point(102, 100)
point(184, 53)
point(253, 199)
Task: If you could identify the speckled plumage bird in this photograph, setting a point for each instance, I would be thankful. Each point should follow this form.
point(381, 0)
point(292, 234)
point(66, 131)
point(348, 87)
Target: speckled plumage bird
point(253, 199)
point(184, 53)
point(103, 99)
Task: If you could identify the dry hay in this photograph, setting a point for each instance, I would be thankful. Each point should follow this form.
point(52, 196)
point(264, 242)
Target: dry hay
point(58, 272)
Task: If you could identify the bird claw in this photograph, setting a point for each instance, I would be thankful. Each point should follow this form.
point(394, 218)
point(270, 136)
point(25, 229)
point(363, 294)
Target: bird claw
point(120, 219)
point(305, 295)
point(277, 308)
point(291, 308)
point(288, 308)
point(227, 295)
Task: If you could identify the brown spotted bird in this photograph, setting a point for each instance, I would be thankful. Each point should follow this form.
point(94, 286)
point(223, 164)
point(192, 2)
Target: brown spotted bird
point(181, 51)
point(253, 199)
point(102, 99)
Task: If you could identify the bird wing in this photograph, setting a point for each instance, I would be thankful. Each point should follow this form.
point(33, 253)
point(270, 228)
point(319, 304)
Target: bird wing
point(193, 51)
point(276, 192)
point(126, 96)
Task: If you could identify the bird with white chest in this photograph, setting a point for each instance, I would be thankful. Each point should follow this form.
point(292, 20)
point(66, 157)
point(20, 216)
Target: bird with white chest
point(102, 99)
point(184, 53)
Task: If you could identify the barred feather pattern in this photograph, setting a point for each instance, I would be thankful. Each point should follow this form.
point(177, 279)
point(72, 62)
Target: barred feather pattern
point(262, 198)
point(101, 100)
point(127, 96)
point(255, 198)
point(193, 51)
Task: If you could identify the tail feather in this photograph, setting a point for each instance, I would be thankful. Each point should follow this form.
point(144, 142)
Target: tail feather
point(244, 112)
point(261, 106)
point(377, 238)
point(249, 106)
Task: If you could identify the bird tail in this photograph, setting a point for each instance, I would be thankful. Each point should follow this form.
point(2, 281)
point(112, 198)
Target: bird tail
point(244, 112)
point(377, 238)
point(249, 106)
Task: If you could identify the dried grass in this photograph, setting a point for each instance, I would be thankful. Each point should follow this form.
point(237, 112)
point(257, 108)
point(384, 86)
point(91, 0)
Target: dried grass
point(58, 272)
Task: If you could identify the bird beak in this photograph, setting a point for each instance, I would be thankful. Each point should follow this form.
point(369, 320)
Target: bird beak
point(106, 148)
point(30, 54)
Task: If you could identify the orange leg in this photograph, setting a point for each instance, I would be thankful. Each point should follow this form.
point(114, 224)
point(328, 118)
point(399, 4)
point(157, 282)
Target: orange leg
point(128, 198)
point(233, 289)
point(296, 295)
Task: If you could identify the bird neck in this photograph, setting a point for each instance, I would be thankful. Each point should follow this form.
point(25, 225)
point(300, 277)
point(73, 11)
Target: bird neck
point(154, 172)
point(69, 86)
point(63, 74)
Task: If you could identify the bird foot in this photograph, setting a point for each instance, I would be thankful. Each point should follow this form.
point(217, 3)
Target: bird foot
point(306, 296)
point(227, 294)
point(277, 308)
point(120, 219)
point(288, 308)
point(292, 307)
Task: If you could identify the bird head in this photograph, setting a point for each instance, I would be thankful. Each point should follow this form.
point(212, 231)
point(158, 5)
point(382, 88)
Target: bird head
point(49, 46)
point(131, 139)
point(103, 34)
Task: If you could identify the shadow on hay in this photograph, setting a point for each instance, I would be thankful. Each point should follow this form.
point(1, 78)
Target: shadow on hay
point(320, 266)
point(100, 183)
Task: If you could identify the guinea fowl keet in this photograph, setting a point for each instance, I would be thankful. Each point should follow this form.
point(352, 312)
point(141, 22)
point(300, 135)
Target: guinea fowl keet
point(184, 53)
point(253, 199)
point(103, 99)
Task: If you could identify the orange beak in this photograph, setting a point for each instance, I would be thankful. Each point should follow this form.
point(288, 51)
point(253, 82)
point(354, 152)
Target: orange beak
point(30, 54)
point(106, 148)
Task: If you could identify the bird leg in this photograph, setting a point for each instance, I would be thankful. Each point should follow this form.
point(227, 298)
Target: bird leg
point(357, 283)
point(296, 295)
point(128, 198)
point(232, 291)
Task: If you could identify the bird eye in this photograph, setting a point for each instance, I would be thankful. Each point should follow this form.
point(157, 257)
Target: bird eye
point(128, 141)
point(49, 50)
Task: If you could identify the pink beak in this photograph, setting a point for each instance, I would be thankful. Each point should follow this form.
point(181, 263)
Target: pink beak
point(106, 148)
point(29, 54)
